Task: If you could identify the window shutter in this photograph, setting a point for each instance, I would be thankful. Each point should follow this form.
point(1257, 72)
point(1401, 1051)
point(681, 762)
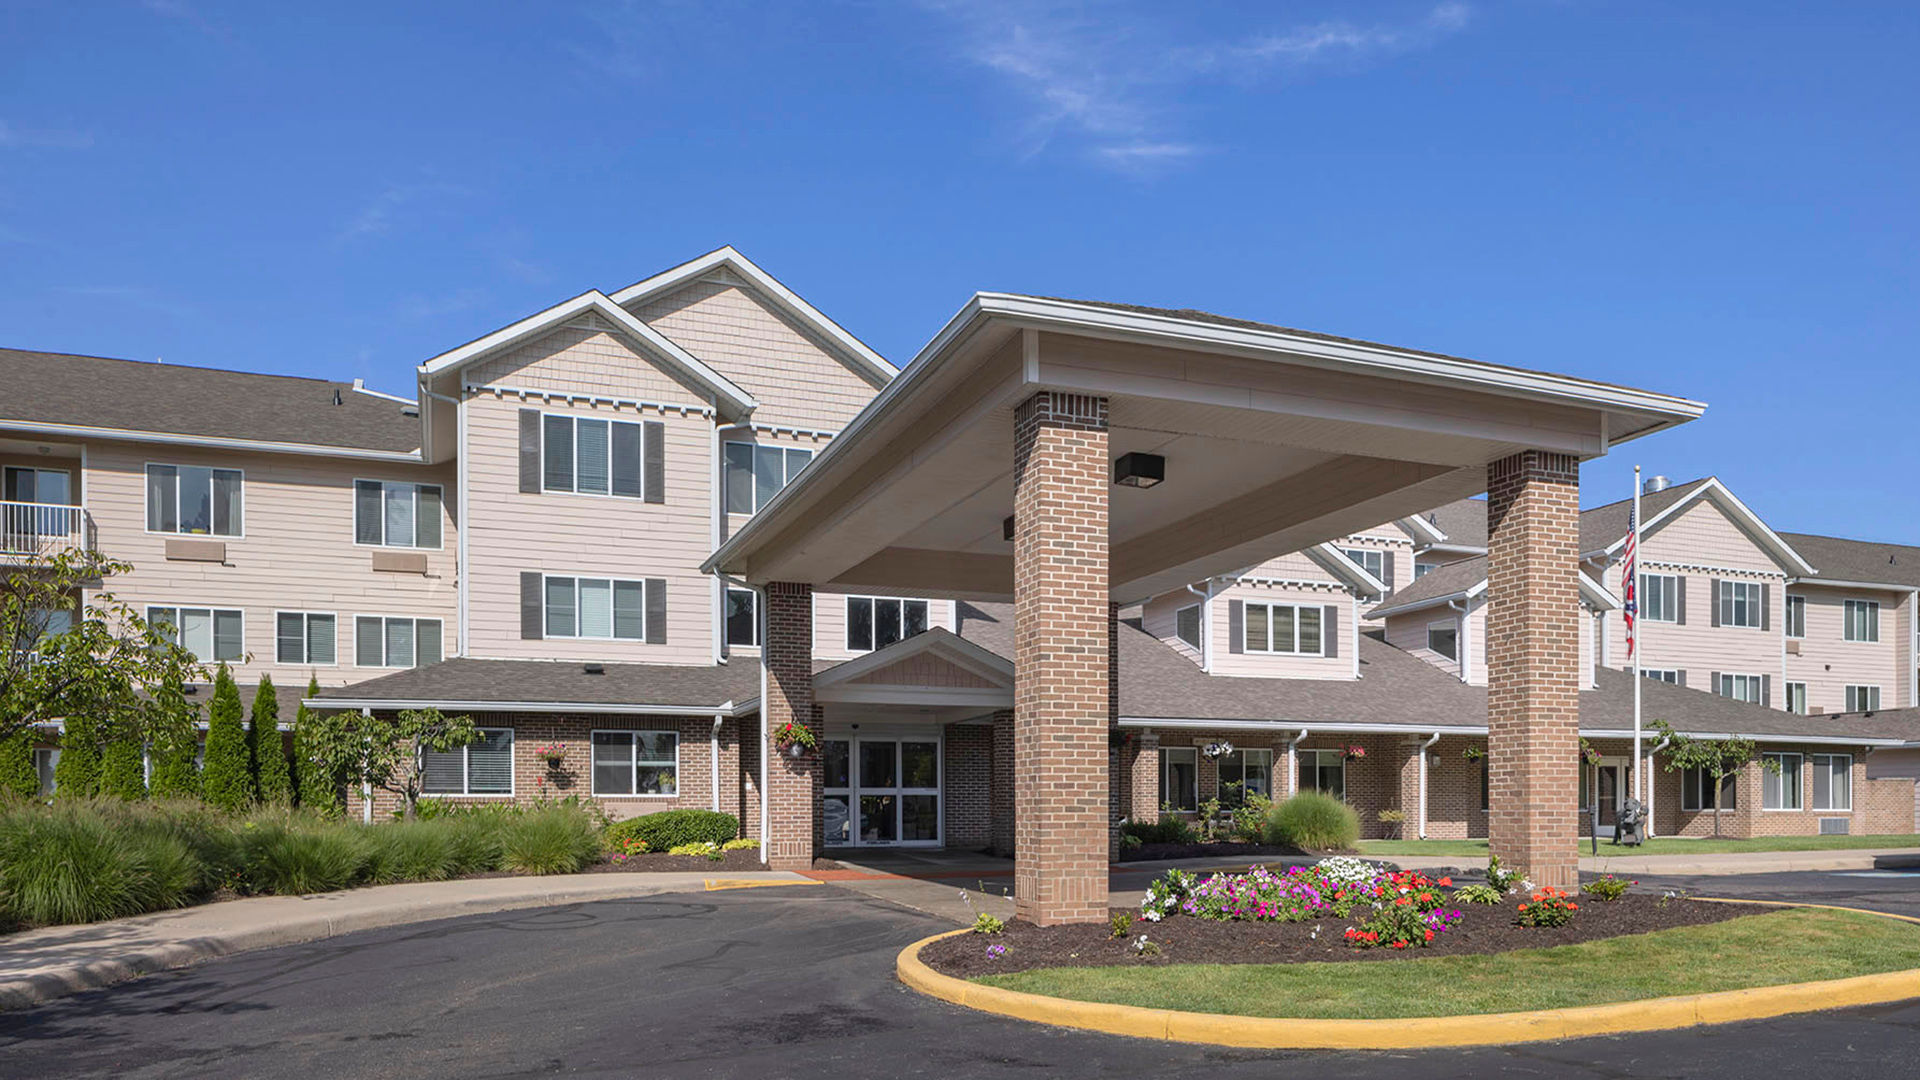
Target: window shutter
point(1713, 682)
point(626, 459)
point(1766, 690)
point(656, 611)
point(1386, 574)
point(1680, 598)
point(1766, 607)
point(427, 521)
point(366, 512)
point(1713, 604)
point(1330, 626)
point(427, 647)
point(1681, 675)
point(1236, 626)
point(656, 462)
point(532, 607)
point(530, 450)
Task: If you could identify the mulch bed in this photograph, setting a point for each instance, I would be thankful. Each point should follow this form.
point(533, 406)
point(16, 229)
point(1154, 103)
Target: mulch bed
point(1219, 850)
point(1485, 928)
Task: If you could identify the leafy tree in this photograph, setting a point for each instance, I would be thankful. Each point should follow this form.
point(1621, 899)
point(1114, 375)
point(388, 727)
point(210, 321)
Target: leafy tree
point(317, 780)
point(18, 777)
point(227, 780)
point(386, 754)
point(1718, 758)
point(122, 772)
point(173, 743)
point(77, 775)
point(271, 776)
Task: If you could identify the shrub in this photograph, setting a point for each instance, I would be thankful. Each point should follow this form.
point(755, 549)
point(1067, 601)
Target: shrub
point(1313, 821)
point(291, 856)
point(1504, 880)
point(78, 863)
point(411, 851)
point(984, 923)
point(1250, 818)
point(1119, 925)
point(741, 844)
point(1478, 894)
point(317, 783)
point(1400, 925)
point(556, 840)
point(273, 780)
point(671, 828)
point(1168, 830)
point(18, 777)
point(1548, 907)
point(1608, 889)
point(122, 772)
point(705, 848)
point(226, 781)
point(77, 775)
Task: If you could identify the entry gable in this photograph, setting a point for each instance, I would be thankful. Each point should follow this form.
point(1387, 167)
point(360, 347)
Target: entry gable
point(935, 667)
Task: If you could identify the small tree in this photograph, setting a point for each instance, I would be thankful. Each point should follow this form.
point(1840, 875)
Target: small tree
point(1718, 758)
point(172, 740)
point(18, 777)
point(226, 781)
point(271, 777)
point(387, 754)
point(317, 780)
point(122, 764)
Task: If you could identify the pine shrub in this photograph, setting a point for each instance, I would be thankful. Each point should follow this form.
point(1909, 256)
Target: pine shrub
point(18, 778)
point(226, 781)
point(273, 780)
point(122, 770)
point(1313, 821)
point(319, 787)
point(173, 745)
point(671, 828)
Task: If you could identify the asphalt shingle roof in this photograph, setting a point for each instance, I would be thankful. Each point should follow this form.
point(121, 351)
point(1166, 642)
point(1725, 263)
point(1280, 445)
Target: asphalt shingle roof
point(1602, 525)
point(1858, 560)
point(1443, 580)
point(516, 681)
point(1463, 520)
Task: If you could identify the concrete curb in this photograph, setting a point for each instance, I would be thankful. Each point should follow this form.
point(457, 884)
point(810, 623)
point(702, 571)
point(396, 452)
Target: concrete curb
point(58, 979)
point(1410, 1033)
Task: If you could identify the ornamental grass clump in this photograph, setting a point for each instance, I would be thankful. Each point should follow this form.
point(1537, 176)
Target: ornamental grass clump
point(285, 856)
point(556, 840)
point(82, 862)
point(412, 851)
point(1315, 822)
point(1548, 907)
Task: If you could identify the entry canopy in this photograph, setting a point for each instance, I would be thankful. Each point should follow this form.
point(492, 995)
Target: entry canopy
point(1273, 440)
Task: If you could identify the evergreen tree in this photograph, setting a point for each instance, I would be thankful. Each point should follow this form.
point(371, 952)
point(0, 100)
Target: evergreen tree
point(272, 779)
point(77, 776)
point(18, 777)
point(122, 772)
point(227, 780)
point(319, 784)
point(170, 728)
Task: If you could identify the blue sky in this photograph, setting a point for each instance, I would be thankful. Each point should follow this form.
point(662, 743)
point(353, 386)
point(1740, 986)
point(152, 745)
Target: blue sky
point(1710, 199)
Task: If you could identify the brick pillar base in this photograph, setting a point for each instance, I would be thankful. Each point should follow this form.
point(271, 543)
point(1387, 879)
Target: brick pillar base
point(1062, 636)
point(793, 784)
point(1409, 797)
point(1000, 802)
point(1533, 651)
point(1145, 778)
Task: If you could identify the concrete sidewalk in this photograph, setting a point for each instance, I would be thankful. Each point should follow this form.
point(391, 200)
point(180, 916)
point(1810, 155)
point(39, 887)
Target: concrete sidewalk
point(37, 965)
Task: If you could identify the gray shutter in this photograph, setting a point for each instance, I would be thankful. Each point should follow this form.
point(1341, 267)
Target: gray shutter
point(1713, 602)
point(626, 459)
point(656, 462)
point(1682, 676)
point(532, 607)
point(656, 610)
point(1386, 571)
point(1766, 690)
point(530, 451)
point(1680, 597)
point(1766, 607)
point(1236, 625)
point(1330, 628)
point(1713, 682)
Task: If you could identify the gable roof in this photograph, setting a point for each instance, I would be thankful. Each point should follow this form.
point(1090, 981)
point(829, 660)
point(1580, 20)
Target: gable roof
point(1604, 528)
point(1339, 564)
point(935, 641)
point(1865, 561)
point(99, 397)
point(1604, 525)
point(1462, 523)
point(854, 351)
point(1466, 579)
point(470, 685)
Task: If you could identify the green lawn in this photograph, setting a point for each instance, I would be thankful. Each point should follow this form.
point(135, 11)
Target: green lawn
point(1659, 845)
point(1801, 945)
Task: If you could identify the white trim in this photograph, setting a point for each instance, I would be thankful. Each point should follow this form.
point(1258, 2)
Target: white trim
point(573, 422)
point(463, 573)
point(1846, 621)
point(1847, 809)
point(1320, 620)
point(1314, 728)
point(1878, 695)
point(1469, 593)
point(358, 615)
point(874, 624)
point(572, 398)
point(546, 628)
point(86, 431)
point(353, 492)
point(945, 643)
point(633, 763)
point(1452, 624)
point(1417, 523)
point(1835, 583)
point(306, 638)
point(1336, 561)
point(754, 471)
point(146, 510)
point(445, 704)
point(1800, 788)
point(360, 387)
point(917, 695)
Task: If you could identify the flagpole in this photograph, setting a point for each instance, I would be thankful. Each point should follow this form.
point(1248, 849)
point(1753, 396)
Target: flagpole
point(1639, 762)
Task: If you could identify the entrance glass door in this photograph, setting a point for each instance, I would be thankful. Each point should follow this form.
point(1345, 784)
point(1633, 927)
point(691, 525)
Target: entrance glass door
point(1603, 790)
point(880, 791)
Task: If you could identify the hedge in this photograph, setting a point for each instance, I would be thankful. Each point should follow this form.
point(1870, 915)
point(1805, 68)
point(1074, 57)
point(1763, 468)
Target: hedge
point(671, 828)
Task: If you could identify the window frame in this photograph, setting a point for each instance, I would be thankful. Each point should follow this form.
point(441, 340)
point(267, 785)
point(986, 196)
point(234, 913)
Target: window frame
point(1855, 691)
point(1190, 754)
point(211, 609)
point(787, 478)
point(1220, 774)
point(1772, 783)
point(1795, 610)
point(1362, 556)
point(633, 763)
point(146, 507)
point(1759, 686)
point(1318, 757)
point(466, 770)
point(354, 490)
point(874, 625)
point(573, 425)
point(1661, 675)
point(1787, 701)
point(1695, 782)
point(1199, 634)
point(1664, 587)
point(1871, 610)
point(753, 610)
point(613, 607)
point(306, 637)
point(1815, 762)
point(1422, 569)
point(1448, 626)
point(1753, 593)
point(1246, 618)
point(384, 620)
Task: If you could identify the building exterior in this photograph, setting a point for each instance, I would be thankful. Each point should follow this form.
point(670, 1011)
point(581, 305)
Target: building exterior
point(631, 532)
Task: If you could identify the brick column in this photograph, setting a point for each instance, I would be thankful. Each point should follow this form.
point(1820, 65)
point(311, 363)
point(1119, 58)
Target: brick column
point(1062, 635)
point(793, 784)
point(1409, 794)
point(1000, 801)
point(1145, 779)
point(1533, 659)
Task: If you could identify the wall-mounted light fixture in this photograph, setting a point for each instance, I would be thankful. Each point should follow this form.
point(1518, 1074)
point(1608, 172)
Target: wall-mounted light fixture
point(1139, 470)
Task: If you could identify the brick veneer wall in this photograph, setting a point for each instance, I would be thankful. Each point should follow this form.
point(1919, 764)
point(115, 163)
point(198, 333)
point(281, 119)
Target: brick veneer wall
point(1000, 839)
point(1143, 780)
point(1877, 806)
point(793, 784)
point(966, 792)
point(1533, 650)
point(1062, 698)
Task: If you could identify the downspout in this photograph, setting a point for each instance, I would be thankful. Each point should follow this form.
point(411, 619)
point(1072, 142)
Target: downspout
point(760, 635)
point(461, 573)
point(1462, 639)
point(1206, 625)
point(713, 757)
point(1293, 762)
point(1424, 747)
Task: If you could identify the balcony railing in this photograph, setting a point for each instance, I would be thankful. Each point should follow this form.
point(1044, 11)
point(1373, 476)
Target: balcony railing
point(44, 529)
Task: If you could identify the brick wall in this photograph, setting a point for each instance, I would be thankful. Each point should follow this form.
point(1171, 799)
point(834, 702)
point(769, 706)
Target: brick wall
point(1000, 841)
point(966, 795)
point(793, 784)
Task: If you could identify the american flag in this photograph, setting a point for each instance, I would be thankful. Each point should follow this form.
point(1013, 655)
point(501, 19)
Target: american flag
point(1630, 578)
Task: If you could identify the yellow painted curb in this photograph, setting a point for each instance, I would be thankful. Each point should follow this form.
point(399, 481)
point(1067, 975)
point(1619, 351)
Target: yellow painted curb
point(1408, 1033)
point(718, 884)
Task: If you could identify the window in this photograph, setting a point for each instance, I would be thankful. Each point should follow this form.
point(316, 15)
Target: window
point(1283, 628)
point(1740, 688)
point(1863, 699)
point(756, 473)
point(1780, 790)
point(1863, 620)
point(1659, 598)
point(193, 500)
point(636, 763)
point(1696, 790)
point(210, 634)
point(1444, 638)
point(1180, 777)
point(1372, 560)
point(382, 641)
point(1796, 616)
point(482, 767)
point(1665, 675)
point(1186, 625)
point(303, 637)
point(46, 759)
point(1324, 771)
point(743, 624)
point(875, 622)
point(588, 456)
point(1832, 781)
point(1421, 569)
point(1797, 698)
point(1244, 773)
point(599, 608)
point(391, 514)
point(1742, 603)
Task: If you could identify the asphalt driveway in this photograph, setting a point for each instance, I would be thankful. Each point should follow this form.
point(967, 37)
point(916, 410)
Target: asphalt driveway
point(784, 982)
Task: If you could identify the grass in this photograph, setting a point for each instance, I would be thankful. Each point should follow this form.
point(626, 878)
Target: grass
point(1732, 955)
point(1659, 845)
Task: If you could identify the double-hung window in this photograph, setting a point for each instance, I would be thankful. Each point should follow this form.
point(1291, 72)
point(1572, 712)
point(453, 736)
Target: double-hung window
point(875, 622)
point(1283, 628)
point(1862, 620)
point(304, 637)
point(1186, 624)
point(1444, 639)
point(1180, 777)
point(1797, 698)
point(1244, 773)
point(482, 767)
point(743, 623)
point(395, 641)
point(757, 471)
point(1746, 688)
point(389, 513)
point(1659, 598)
point(1372, 560)
point(1863, 699)
point(1324, 771)
point(1796, 616)
point(212, 635)
point(604, 609)
point(590, 456)
point(636, 763)
point(194, 500)
point(1665, 675)
point(1780, 782)
point(1696, 791)
point(1742, 603)
point(1832, 781)
point(1422, 569)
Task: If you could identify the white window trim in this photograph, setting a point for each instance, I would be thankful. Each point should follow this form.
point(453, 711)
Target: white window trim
point(1220, 767)
point(1452, 625)
point(1340, 759)
point(1673, 609)
point(1359, 557)
point(847, 627)
point(752, 597)
point(146, 516)
point(1786, 609)
point(1756, 604)
point(611, 581)
point(305, 637)
point(1848, 808)
point(1166, 763)
point(146, 612)
point(1766, 774)
point(358, 615)
point(1758, 682)
point(1847, 692)
point(1846, 621)
point(811, 454)
point(1732, 780)
point(1656, 675)
point(353, 490)
point(1787, 701)
point(575, 489)
point(513, 771)
point(633, 762)
point(1199, 623)
point(1318, 609)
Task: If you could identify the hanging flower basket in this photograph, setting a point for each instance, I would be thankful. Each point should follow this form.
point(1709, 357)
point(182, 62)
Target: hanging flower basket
point(551, 753)
point(1217, 749)
point(795, 739)
point(1356, 752)
point(1474, 753)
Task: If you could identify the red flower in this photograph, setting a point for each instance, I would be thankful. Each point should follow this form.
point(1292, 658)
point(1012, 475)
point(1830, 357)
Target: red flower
point(1446, 883)
point(1429, 935)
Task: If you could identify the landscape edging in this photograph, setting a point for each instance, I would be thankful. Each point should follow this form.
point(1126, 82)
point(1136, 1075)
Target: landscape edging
point(1421, 1032)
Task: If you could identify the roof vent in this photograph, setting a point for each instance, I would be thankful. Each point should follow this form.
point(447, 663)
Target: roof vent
point(336, 397)
point(594, 669)
point(1657, 483)
point(409, 410)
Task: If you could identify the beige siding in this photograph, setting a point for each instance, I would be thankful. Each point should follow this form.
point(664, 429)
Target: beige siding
point(1828, 663)
point(1408, 632)
point(830, 625)
point(816, 443)
point(924, 670)
point(1158, 616)
point(587, 358)
point(1281, 665)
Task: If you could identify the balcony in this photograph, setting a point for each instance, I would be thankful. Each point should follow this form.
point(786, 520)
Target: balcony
point(45, 529)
